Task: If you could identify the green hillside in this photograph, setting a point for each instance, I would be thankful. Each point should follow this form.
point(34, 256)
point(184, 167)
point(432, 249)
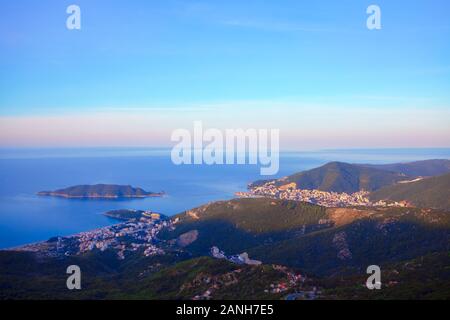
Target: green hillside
point(257, 215)
point(431, 192)
point(392, 236)
point(345, 177)
point(342, 177)
point(23, 276)
point(194, 277)
point(426, 277)
point(238, 224)
point(308, 237)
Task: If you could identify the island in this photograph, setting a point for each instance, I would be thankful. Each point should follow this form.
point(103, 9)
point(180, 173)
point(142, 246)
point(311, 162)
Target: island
point(130, 214)
point(101, 191)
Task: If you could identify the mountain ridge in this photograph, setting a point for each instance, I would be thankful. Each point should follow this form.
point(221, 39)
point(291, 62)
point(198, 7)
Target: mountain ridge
point(345, 177)
point(340, 177)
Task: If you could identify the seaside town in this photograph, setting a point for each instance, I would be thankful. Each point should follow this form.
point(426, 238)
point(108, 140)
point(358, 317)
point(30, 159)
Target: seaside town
point(129, 236)
point(322, 198)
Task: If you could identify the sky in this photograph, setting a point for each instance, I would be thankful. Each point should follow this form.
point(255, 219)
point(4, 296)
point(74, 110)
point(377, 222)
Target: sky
point(137, 70)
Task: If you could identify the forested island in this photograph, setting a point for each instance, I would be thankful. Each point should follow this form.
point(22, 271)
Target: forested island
point(101, 191)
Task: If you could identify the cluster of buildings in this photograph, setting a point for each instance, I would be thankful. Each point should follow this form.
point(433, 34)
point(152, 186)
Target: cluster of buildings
point(242, 258)
point(131, 236)
point(216, 283)
point(323, 198)
point(293, 280)
point(296, 284)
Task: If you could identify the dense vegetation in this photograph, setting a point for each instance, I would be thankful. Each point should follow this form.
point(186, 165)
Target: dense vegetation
point(431, 192)
point(124, 214)
point(425, 277)
point(345, 177)
point(195, 276)
point(242, 223)
point(303, 235)
point(24, 276)
point(369, 241)
point(342, 177)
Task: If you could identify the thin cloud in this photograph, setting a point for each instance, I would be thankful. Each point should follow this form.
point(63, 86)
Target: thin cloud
point(279, 26)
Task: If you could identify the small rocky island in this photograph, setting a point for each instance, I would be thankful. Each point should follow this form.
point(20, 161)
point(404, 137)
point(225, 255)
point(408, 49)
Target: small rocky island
point(101, 191)
point(129, 214)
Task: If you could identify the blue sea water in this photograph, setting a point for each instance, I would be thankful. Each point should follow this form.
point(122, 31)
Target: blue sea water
point(26, 218)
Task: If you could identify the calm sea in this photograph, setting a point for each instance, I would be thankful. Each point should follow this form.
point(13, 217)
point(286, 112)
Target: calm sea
point(25, 217)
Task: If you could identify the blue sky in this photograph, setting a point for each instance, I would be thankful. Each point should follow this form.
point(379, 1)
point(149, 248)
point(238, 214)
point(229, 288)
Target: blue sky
point(159, 65)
